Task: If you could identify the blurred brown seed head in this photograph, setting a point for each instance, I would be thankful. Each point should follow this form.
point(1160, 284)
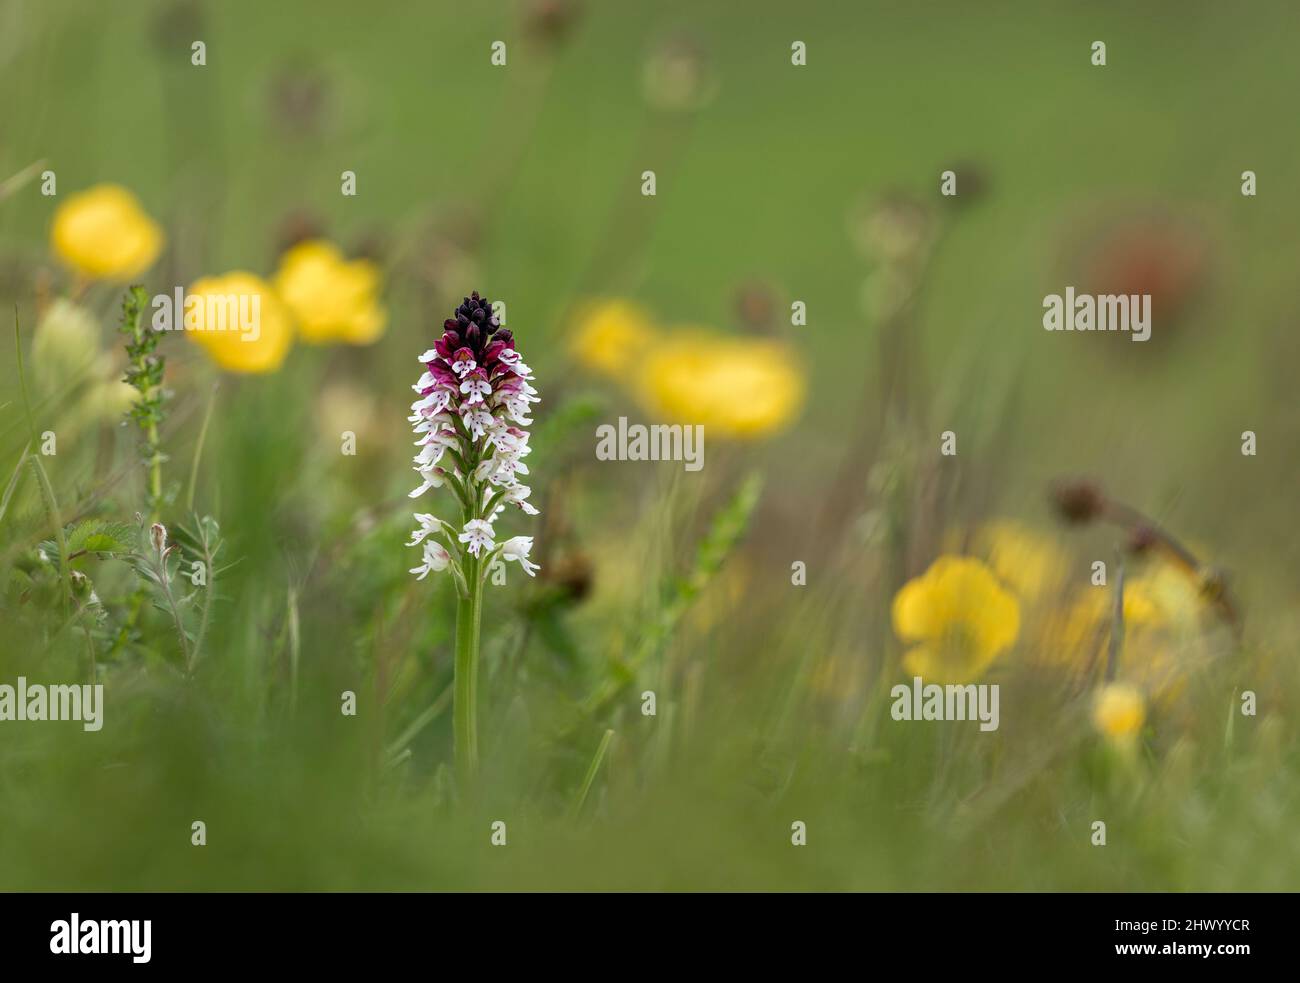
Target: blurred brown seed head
point(1142, 539)
point(296, 227)
point(1163, 256)
point(972, 184)
point(176, 26)
point(1077, 500)
point(756, 306)
point(298, 98)
point(573, 574)
point(551, 20)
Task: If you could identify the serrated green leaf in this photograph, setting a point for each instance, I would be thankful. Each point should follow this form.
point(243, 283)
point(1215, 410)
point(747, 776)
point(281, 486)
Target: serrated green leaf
point(100, 536)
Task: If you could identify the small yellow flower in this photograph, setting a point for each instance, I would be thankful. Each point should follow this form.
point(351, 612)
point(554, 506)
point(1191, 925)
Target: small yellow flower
point(960, 615)
point(1118, 711)
point(737, 388)
point(104, 234)
point(611, 336)
point(333, 298)
point(240, 321)
point(1029, 563)
point(1086, 623)
point(1175, 594)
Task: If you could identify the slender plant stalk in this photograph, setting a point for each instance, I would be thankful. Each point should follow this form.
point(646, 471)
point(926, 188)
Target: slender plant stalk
point(198, 450)
point(52, 510)
point(165, 581)
point(90, 652)
point(1116, 624)
point(22, 378)
point(592, 769)
point(295, 646)
point(42, 479)
point(434, 711)
point(204, 537)
point(13, 482)
point(145, 373)
point(15, 182)
point(469, 615)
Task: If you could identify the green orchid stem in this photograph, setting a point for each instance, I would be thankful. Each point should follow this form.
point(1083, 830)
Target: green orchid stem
point(469, 614)
point(155, 472)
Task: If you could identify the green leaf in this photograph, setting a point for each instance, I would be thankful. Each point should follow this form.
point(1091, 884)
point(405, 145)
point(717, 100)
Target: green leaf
point(100, 536)
point(13, 482)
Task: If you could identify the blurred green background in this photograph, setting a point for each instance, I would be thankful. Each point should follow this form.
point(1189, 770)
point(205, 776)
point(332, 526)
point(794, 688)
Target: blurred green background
point(776, 183)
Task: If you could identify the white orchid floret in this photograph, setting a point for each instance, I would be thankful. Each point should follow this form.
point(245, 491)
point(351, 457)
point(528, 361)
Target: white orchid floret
point(436, 558)
point(432, 404)
point(511, 360)
point(516, 405)
point(476, 419)
point(517, 495)
point(440, 437)
point(463, 362)
point(517, 549)
point(499, 470)
point(509, 440)
point(431, 453)
point(474, 387)
point(508, 468)
point(431, 478)
point(429, 525)
point(477, 536)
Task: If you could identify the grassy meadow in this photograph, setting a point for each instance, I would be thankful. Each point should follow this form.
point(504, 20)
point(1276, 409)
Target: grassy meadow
point(798, 286)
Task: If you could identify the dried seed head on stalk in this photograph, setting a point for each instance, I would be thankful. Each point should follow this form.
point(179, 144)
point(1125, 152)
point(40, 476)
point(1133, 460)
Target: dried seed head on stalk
point(1078, 500)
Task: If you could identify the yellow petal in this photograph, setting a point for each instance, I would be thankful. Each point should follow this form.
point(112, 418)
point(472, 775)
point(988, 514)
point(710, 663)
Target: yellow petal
point(104, 234)
point(915, 614)
point(332, 298)
point(736, 388)
point(961, 613)
point(1118, 711)
point(610, 336)
point(216, 321)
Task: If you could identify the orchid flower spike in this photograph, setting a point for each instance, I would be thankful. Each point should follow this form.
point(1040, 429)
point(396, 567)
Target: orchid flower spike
point(474, 401)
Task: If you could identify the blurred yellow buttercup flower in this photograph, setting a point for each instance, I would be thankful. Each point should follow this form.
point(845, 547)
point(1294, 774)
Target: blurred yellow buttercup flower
point(1029, 563)
point(610, 336)
point(1118, 711)
point(103, 233)
point(738, 388)
point(1087, 621)
point(240, 321)
point(1175, 594)
point(1161, 632)
point(959, 615)
point(333, 298)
